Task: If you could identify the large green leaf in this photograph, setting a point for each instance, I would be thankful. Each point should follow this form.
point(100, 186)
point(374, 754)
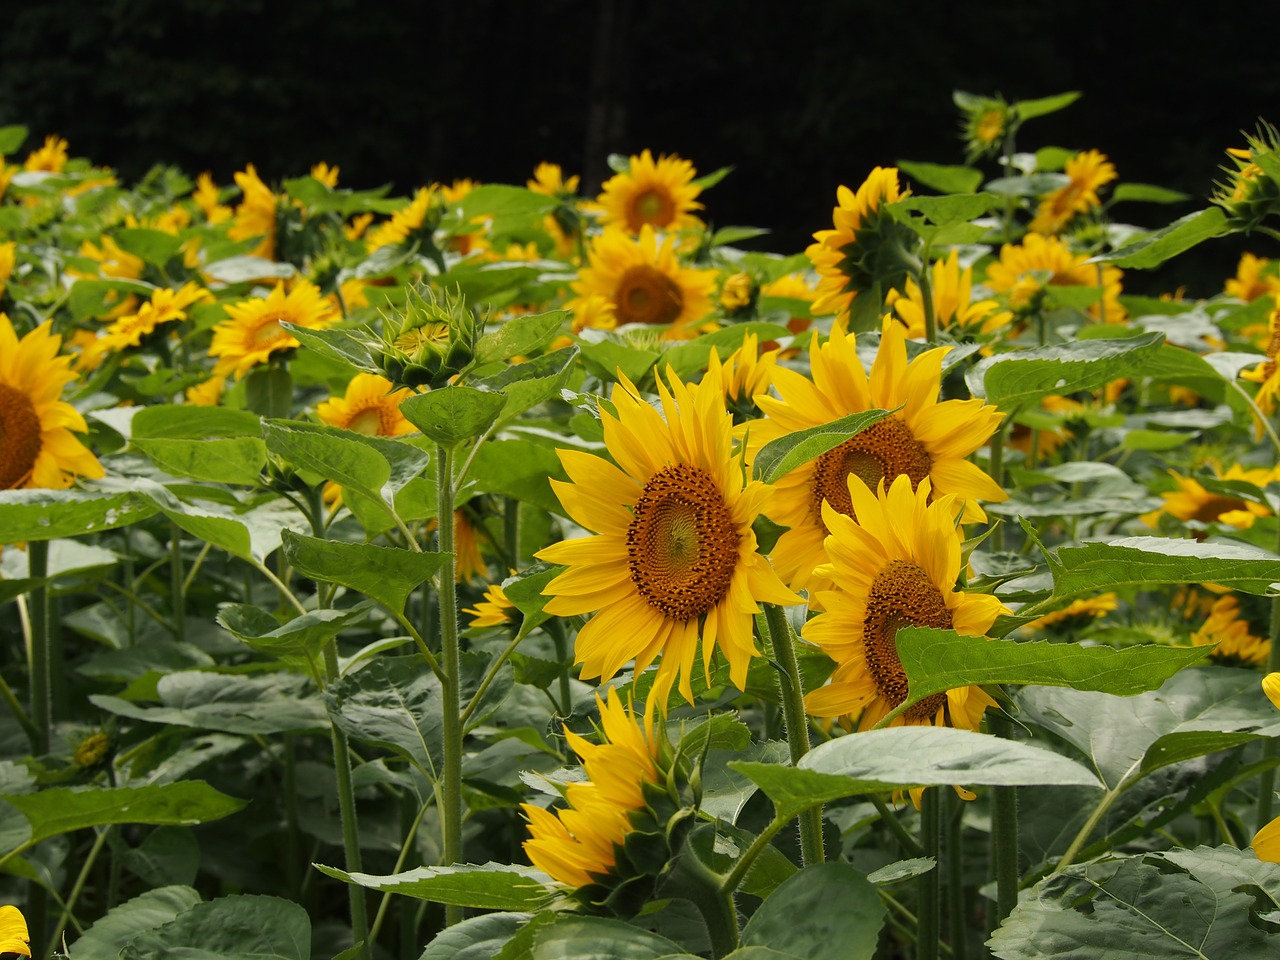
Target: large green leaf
point(1151, 561)
point(375, 467)
point(598, 938)
point(231, 703)
point(217, 459)
point(842, 915)
point(250, 535)
point(177, 422)
point(1017, 378)
point(525, 385)
point(240, 927)
point(521, 335)
point(943, 178)
point(1153, 249)
point(521, 469)
point(454, 414)
point(779, 457)
point(50, 514)
point(487, 886)
point(66, 557)
point(354, 347)
point(299, 642)
point(477, 938)
point(387, 574)
point(147, 911)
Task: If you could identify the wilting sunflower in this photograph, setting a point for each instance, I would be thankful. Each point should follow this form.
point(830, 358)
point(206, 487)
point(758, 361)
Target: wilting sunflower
point(37, 448)
point(643, 280)
point(165, 306)
point(14, 936)
point(953, 305)
point(895, 566)
point(253, 332)
point(1267, 374)
point(49, 158)
point(1020, 274)
point(403, 223)
point(674, 555)
point(255, 216)
point(926, 439)
point(1086, 172)
point(1191, 501)
point(1255, 277)
point(495, 610)
point(652, 193)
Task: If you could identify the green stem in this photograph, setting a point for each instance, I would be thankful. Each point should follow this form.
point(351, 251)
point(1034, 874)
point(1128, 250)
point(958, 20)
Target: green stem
point(177, 597)
point(15, 707)
point(797, 722)
point(926, 298)
point(405, 848)
point(195, 568)
point(995, 467)
point(1099, 812)
point(67, 907)
point(1267, 781)
point(909, 845)
point(285, 592)
point(490, 675)
point(511, 529)
point(953, 855)
point(41, 689)
point(293, 835)
point(740, 868)
point(451, 705)
point(1004, 834)
point(928, 884)
point(347, 813)
point(555, 626)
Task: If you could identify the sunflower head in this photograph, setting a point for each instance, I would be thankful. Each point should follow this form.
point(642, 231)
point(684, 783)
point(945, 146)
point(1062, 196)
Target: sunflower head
point(253, 333)
point(658, 193)
point(984, 124)
point(1086, 173)
point(256, 214)
point(429, 340)
point(1252, 191)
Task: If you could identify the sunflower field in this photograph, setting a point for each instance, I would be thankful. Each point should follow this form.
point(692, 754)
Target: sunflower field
point(517, 571)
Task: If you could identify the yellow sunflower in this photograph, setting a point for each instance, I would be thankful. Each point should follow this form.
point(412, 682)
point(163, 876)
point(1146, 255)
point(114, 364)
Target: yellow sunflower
point(1021, 271)
point(746, 373)
point(495, 610)
point(206, 394)
point(7, 259)
point(403, 222)
point(549, 180)
point(325, 174)
point(1040, 445)
point(6, 176)
point(926, 439)
point(896, 565)
point(1075, 614)
point(115, 264)
point(206, 197)
point(14, 937)
point(1230, 631)
point(674, 554)
point(37, 448)
point(953, 306)
point(255, 216)
point(253, 331)
point(1191, 501)
point(657, 193)
point(643, 281)
point(370, 406)
point(1254, 278)
point(1086, 172)
point(837, 253)
point(736, 292)
point(165, 306)
point(577, 845)
point(1266, 842)
point(50, 158)
point(1267, 374)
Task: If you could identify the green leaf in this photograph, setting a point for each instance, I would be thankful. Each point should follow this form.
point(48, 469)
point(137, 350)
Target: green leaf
point(709, 180)
point(147, 911)
point(51, 514)
point(66, 557)
point(175, 422)
point(521, 335)
point(268, 391)
point(1149, 561)
point(488, 886)
point(95, 298)
point(525, 385)
point(245, 269)
point(239, 927)
point(153, 246)
point(353, 347)
point(477, 938)
point(1147, 193)
point(245, 535)
point(11, 138)
point(598, 938)
point(943, 178)
point(607, 358)
point(387, 574)
point(1027, 185)
point(690, 359)
point(454, 414)
point(726, 236)
point(1030, 109)
point(841, 909)
point(1023, 377)
point(779, 457)
point(230, 703)
point(59, 810)
point(1153, 249)
point(298, 643)
point(940, 660)
point(219, 460)
point(946, 211)
point(519, 468)
point(525, 591)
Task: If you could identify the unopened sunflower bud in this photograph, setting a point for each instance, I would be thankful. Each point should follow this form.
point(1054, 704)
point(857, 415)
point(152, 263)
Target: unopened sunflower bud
point(430, 341)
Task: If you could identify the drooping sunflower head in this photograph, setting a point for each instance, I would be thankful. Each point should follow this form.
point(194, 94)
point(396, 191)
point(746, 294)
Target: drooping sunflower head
point(1237, 641)
point(370, 405)
point(896, 565)
point(1086, 172)
point(657, 193)
point(673, 562)
point(256, 214)
point(644, 282)
point(1076, 614)
point(165, 306)
point(1025, 270)
point(253, 331)
point(37, 446)
point(409, 221)
point(867, 251)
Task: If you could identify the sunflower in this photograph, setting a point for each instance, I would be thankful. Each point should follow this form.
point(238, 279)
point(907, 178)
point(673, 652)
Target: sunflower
point(255, 216)
point(404, 222)
point(1267, 373)
point(953, 305)
point(1266, 842)
point(206, 197)
point(643, 281)
point(37, 448)
point(14, 936)
point(1191, 501)
point(165, 306)
point(1075, 614)
point(1225, 627)
point(925, 439)
point(1042, 444)
point(253, 331)
point(736, 292)
point(1086, 172)
point(896, 565)
point(6, 176)
point(658, 194)
point(1255, 277)
point(549, 180)
point(495, 610)
point(325, 174)
point(370, 406)
point(746, 373)
point(984, 121)
point(50, 158)
point(207, 393)
point(1020, 274)
point(674, 553)
point(115, 264)
point(7, 258)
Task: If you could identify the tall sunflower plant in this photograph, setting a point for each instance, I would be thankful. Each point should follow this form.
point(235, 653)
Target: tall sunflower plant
point(524, 570)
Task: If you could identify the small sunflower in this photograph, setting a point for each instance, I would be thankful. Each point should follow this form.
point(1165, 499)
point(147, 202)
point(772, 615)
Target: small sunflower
point(1025, 270)
point(674, 555)
point(549, 180)
point(1086, 172)
point(1267, 373)
point(165, 306)
point(403, 223)
point(1266, 842)
point(1236, 642)
point(1191, 501)
point(1075, 614)
point(652, 193)
point(495, 610)
point(253, 332)
point(208, 199)
point(644, 282)
point(255, 216)
point(14, 936)
point(896, 565)
point(926, 439)
point(370, 406)
point(7, 259)
point(953, 304)
point(325, 174)
point(984, 121)
point(206, 394)
point(49, 158)
point(37, 448)
point(1255, 277)
point(746, 374)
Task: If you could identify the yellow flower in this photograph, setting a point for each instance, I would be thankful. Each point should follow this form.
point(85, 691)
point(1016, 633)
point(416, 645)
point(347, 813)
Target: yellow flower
point(1086, 172)
point(206, 394)
point(896, 565)
point(1045, 443)
point(358, 225)
point(578, 845)
point(403, 222)
point(1191, 501)
point(1225, 627)
point(370, 406)
point(952, 292)
point(674, 555)
point(1025, 270)
point(548, 179)
point(7, 257)
point(1271, 687)
point(983, 123)
point(654, 193)
point(36, 425)
point(735, 292)
point(643, 281)
point(1266, 842)
point(206, 198)
point(495, 610)
point(165, 306)
point(1075, 613)
point(14, 937)
point(253, 331)
point(925, 439)
point(91, 750)
point(1266, 373)
point(746, 373)
point(6, 175)
point(1253, 279)
point(51, 157)
point(255, 216)
point(116, 264)
point(325, 174)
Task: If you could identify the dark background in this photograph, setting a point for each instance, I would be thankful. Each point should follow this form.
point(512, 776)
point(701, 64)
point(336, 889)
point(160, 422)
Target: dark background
point(798, 96)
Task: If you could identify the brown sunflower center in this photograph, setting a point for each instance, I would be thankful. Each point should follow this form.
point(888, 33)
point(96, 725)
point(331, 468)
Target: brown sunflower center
point(901, 596)
point(1214, 507)
point(651, 206)
point(880, 452)
point(647, 295)
point(268, 330)
point(372, 421)
point(19, 437)
point(682, 543)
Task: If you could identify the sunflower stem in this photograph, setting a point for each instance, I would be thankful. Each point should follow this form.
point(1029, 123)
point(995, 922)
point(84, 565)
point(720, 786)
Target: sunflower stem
point(41, 690)
point(76, 890)
point(451, 704)
point(928, 885)
point(797, 722)
point(177, 598)
point(1267, 781)
point(924, 281)
point(995, 467)
point(957, 914)
point(1004, 833)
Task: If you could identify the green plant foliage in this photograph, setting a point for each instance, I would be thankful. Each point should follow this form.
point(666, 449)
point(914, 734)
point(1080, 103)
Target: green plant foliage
point(843, 915)
point(386, 574)
point(244, 926)
point(489, 886)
